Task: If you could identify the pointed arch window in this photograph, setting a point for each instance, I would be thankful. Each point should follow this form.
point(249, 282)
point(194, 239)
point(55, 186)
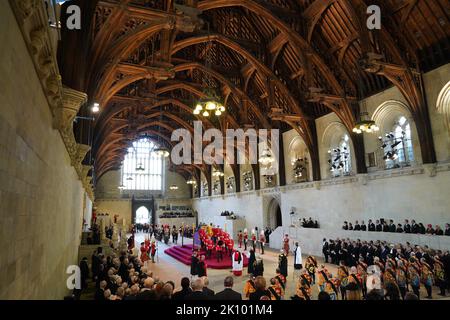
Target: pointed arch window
point(142, 169)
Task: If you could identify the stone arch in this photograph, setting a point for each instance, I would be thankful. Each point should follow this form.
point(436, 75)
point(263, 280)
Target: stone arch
point(273, 217)
point(443, 105)
point(385, 116)
point(297, 148)
point(331, 138)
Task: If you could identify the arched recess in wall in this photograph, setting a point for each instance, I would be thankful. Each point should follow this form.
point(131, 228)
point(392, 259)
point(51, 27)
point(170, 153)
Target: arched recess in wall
point(387, 116)
point(203, 185)
point(273, 216)
point(298, 161)
point(443, 105)
point(230, 183)
point(336, 136)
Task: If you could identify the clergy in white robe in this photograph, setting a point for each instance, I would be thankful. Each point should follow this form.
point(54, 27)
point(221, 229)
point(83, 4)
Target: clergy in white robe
point(238, 263)
point(298, 262)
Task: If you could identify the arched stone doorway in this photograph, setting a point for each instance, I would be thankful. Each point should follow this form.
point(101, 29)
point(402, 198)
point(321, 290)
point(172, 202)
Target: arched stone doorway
point(149, 206)
point(274, 217)
point(143, 215)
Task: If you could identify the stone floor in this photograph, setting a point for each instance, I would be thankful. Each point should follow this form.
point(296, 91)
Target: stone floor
point(168, 268)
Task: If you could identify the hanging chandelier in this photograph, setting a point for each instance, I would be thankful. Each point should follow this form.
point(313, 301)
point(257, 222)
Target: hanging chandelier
point(364, 124)
point(367, 126)
point(173, 187)
point(161, 151)
point(191, 181)
point(211, 103)
point(266, 158)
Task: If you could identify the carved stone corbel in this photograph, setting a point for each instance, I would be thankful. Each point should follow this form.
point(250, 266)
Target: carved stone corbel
point(26, 8)
point(77, 159)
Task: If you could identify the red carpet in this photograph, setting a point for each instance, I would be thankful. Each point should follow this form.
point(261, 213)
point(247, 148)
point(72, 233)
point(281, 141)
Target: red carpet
point(183, 254)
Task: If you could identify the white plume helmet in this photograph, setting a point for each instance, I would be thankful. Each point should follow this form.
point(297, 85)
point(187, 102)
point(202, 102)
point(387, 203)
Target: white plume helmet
point(245, 230)
point(262, 233)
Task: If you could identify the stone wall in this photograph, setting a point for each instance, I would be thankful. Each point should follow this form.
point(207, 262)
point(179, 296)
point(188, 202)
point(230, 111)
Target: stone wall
point(42, 199)
point(395, 194)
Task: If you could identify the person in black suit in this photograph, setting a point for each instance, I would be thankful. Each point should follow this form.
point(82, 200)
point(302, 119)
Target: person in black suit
point(228, 293)
point(207, 291)
point(100, 292)
point(363, 226)
point(447, 229)
point(414, 227)
point(392, 227)
point(325, 249)
point(197, 291)
point(371, 226)
point(84, 268)
point(378, 226)
point(185, 290)
point(407, 227)
point(357, 226)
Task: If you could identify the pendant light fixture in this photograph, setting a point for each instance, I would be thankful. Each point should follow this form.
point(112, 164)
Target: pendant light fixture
point(161, 151)
point(211, 103)
point(364, 124)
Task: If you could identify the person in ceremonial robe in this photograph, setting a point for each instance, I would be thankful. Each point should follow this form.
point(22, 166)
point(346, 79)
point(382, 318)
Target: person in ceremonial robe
point(153, 250)
point(253, 239)
point(202, 267)
point(414, 276)
point(174, 235)
point(362, 273)
point(439, 275)
point(230, 246)
point(303, 289)
point(276, 292)
point(219, 248)
point(342, 276)
point(401, 276)
point(262, 241)
point(311, 266)
point(281, 279)
point(298, 260)
point(144, 255)
point(283, 263)
point(427, 277)
point(209, 247)
point(130, 242)
point(326, 283)
point(251, 261)
point(353, 289)
point(194, 264)
point(237, 263)
point(240, 237)
point(245, 239)
point(390, 284)
point(286, 245)
point(249, 287)
point(258, 269)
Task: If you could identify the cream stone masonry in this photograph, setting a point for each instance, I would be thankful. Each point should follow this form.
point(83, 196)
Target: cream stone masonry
point(42, 200)
point(64, 103)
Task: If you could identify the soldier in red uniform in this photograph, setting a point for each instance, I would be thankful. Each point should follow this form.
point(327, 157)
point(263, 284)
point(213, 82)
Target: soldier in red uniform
point(153, 250)
point(240, 237)
point(209, 248)
point(144, 253)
